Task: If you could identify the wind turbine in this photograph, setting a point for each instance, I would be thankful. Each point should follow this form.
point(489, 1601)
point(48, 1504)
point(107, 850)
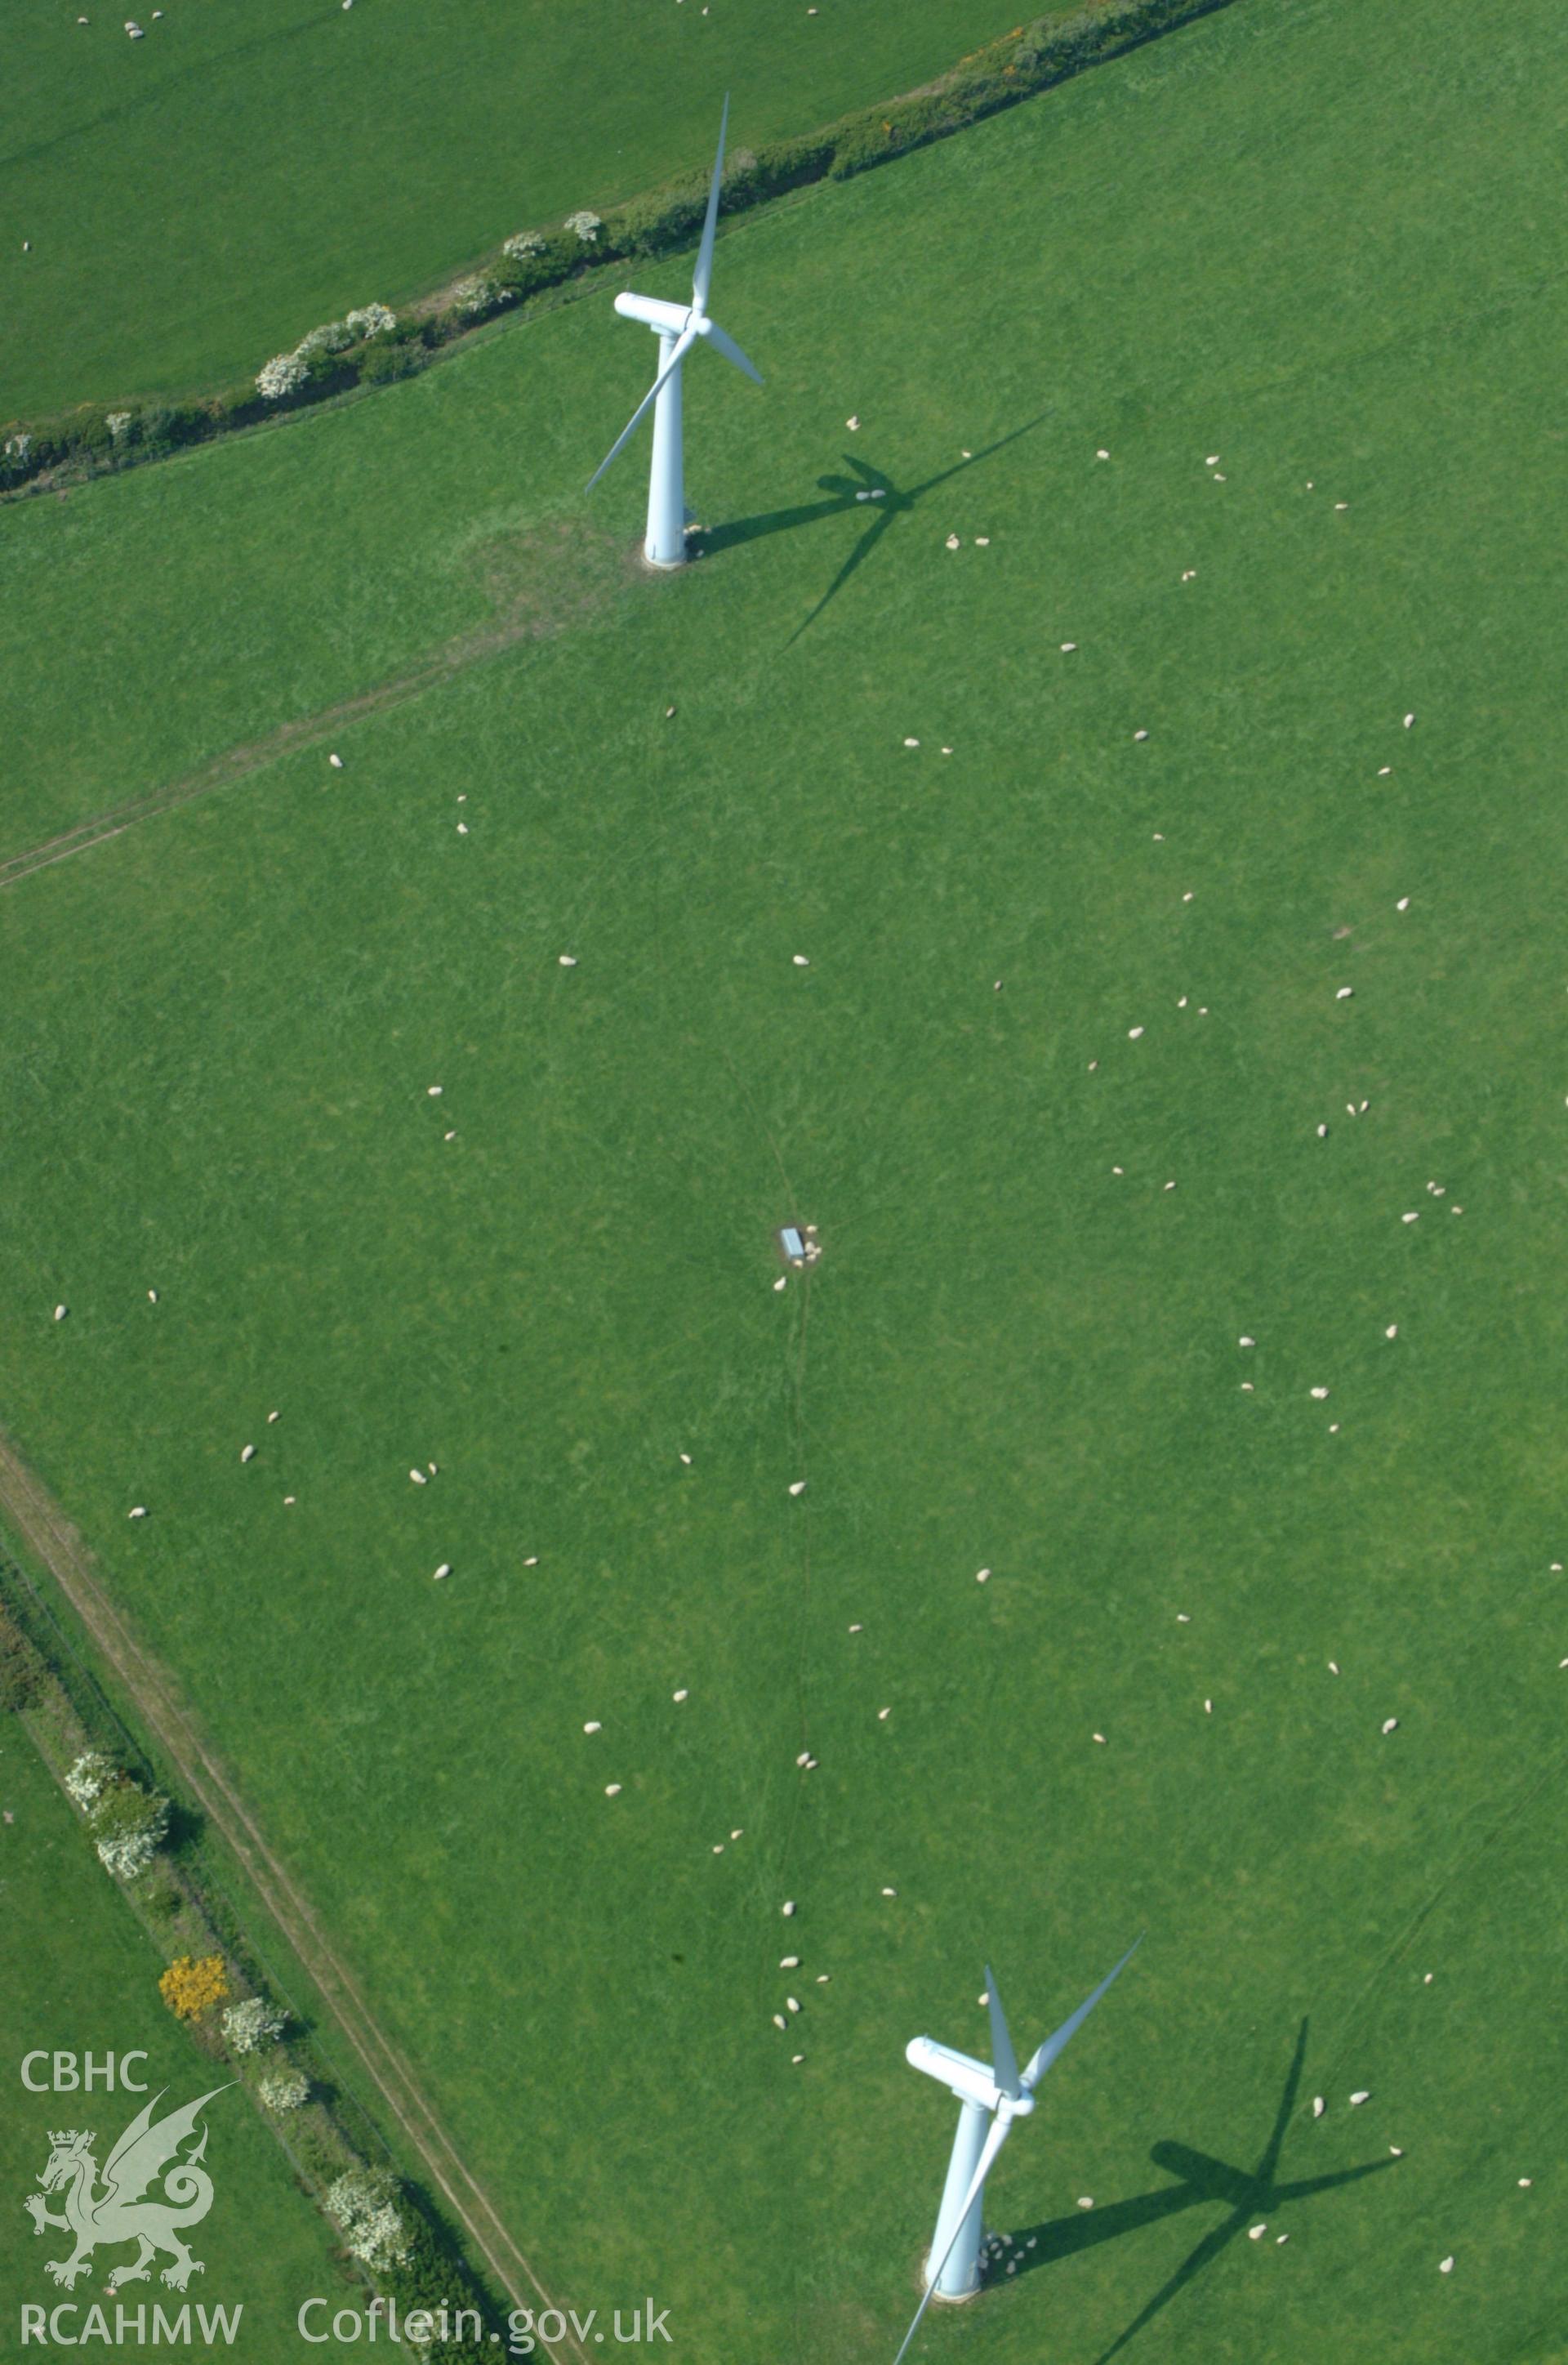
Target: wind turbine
point(677, 328)
point(995, 2090)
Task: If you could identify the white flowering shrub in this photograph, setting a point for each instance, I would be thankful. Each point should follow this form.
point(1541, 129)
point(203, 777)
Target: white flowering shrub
point(585, 226)
point(470, 297)
point(129, 1826)
point(283, 2090)
point(287, 373)
point(248, 2026)
point(116, 421)
point(90, 1776)
point(525, 243)
point(282, 375)
point(18, 446)
point(361, 2203)
point(333, 337)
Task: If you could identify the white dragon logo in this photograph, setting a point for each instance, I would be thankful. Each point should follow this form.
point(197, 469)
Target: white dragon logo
point(120, 2212)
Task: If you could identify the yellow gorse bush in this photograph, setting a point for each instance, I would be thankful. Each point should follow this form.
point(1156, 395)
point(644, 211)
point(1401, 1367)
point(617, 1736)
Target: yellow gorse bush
point(189, 1986)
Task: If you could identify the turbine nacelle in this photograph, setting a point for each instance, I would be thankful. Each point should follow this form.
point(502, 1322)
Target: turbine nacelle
point(667, 319)
point(970, 2081)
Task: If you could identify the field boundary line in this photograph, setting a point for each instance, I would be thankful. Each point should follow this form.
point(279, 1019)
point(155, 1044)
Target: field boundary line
point(49, 1534)
point(986, 82)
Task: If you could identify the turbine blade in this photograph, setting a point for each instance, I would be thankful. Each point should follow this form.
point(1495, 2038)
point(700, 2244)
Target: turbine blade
point(731, 350)
point(1003, 2060)
point(703, 278)
point(1000, 2128)
point(1069, 2028)
point(683, 345)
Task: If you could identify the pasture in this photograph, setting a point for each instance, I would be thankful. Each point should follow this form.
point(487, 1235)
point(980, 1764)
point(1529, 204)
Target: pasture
point(1072, 1087)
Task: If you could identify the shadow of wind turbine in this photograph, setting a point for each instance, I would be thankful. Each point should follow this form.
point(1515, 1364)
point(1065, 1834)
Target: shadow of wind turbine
point(864, 485)
point(1200, 2179)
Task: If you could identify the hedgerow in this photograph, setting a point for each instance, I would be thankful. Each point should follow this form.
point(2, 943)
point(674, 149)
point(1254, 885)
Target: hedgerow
point(20, 1672)
point(371, 346)
point(328, 2136)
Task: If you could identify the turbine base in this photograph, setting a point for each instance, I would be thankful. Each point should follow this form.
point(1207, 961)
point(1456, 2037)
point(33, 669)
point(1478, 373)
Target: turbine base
point(940, 2298)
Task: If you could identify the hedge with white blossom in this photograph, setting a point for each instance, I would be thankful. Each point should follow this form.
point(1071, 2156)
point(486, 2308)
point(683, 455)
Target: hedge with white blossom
point(283, 2090)
point(361, 2203)
point(248, 2026)
point(287, 373)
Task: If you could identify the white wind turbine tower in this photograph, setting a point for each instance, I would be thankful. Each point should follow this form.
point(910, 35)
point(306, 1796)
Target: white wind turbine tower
point(677, 328)
point(995, 2090)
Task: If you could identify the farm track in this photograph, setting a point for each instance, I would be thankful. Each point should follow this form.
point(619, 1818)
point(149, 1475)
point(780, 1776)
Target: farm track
point(45, 1530)
point(540, 582)
point(225, 770)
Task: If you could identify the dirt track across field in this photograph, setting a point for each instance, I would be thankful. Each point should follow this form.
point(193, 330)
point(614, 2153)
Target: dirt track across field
point(44, 1528)
point(538, 583)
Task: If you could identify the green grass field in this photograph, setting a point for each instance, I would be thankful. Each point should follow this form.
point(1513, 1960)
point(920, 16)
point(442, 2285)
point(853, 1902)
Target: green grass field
point(1323, 245)
point(77, 1975)
point(195, 200)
